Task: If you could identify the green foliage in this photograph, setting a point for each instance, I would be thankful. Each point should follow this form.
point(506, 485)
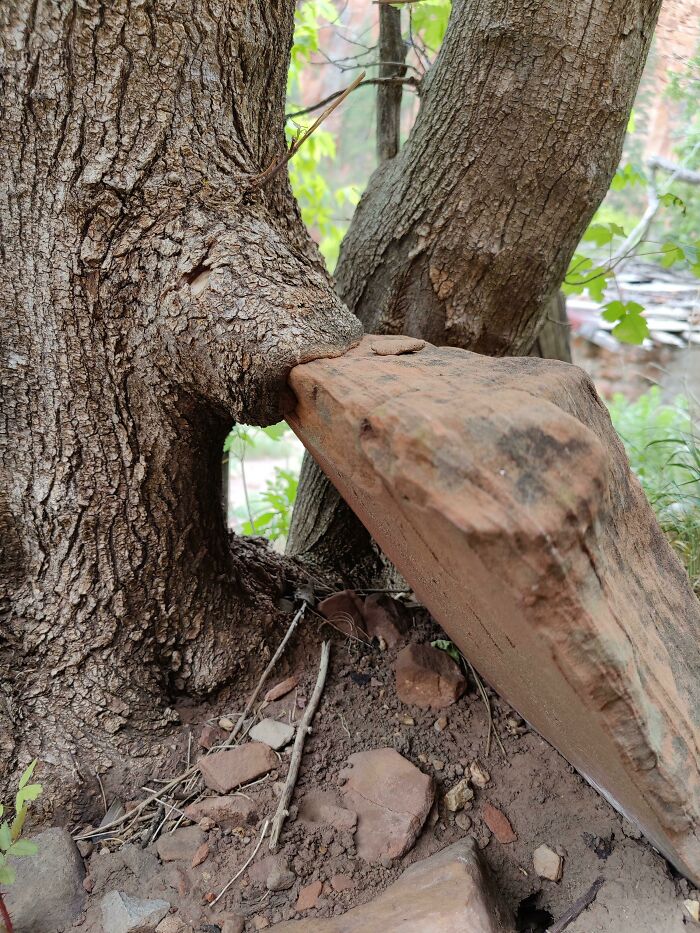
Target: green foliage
point(631, 327)
point(429, 19)
point(278, 500)
point(663, 447)
point(448, 647)
point(11, 845)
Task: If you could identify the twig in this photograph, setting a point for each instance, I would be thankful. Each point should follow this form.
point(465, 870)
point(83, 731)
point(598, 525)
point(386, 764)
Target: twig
point(303, 730)
point(578, 907)
point(272, 170)
point(411, 81)
point(102, 791)
point(492, 726)
point(265, 674)
point(244, 866)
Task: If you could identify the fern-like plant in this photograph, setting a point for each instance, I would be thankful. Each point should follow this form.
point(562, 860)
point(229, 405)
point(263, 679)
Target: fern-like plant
point(11, 844)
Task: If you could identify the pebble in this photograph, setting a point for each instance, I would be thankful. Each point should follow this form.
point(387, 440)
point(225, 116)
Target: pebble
point(308, 896)
point(548, 864)
point(273, 733)
point(226, 724)
point(479, 774)
point(464, 821)
point(693, 908)
point(459, 796)
point(440, 724)
point(498, 823)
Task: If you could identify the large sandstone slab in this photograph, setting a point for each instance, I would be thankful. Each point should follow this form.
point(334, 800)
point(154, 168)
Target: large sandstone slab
point(446, 893)
point(500, 490)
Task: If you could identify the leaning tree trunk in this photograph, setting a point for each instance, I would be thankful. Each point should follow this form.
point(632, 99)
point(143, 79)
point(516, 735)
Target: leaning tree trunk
point(153, 293)
point(465, 236)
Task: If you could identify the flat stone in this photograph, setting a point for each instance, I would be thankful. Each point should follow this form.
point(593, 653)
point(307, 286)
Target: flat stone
point(179, 845)
point(229, 812)
point(392, 799)
point(498, 823)
point(341, 883)
point(449, 892)
point(308, 896)
point(547, 863)
point(344, 611)
point(320, 808)
point(280, 878)
point(385, 618)
point(223, 771)
point(48, 892)
point(233, 924)
point(122, 913)
point(502, 494)
point(273, 733)
point(173, 924)
point(428, 677)
point(281, 689)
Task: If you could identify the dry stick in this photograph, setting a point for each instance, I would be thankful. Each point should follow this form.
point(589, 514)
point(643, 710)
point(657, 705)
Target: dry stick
point(303, 730)
point(492, 726)
point(244, 866)
point(270, 172)
point(578, 907)
point(411, 81)
point(266, 673)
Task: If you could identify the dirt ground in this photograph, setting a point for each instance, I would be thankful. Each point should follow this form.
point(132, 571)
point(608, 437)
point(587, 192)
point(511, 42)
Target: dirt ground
point(544, 798)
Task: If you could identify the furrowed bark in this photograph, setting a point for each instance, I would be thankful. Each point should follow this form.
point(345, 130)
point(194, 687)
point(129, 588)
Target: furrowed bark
point(150, 297)
point(464, 237)
point(392, 52)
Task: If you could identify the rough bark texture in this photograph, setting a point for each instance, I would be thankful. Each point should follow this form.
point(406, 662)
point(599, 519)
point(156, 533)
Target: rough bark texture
point(501, 491)
point(392, 52)
point(151, 295)
point(464, 237)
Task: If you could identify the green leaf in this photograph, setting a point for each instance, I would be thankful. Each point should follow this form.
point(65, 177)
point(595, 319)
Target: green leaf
point(449, 648)
point(671, 254)
point(5, 836)
point(27, 794)
point(27, 773)
point(672, 200)
point(7, 874)
point(23, 847)
point(631, 329)
point(276, 431)
point(597, 282)
point(613, 311)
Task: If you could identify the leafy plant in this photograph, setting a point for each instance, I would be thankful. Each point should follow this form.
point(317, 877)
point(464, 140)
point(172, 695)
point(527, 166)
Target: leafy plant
point(11, 844)
point(278, 498)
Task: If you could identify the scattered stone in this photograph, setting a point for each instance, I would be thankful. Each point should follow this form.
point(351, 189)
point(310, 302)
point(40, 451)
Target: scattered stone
point(498, 823)
point(344, 611)
point(225, 770)
point(57, 872)
point(281, 689)
point(179, 845)
point(232, 923)
point(122, 913)
point(280, 878)
point(438, 764)
point(229, 812)
point(260, 922)
point(448, 892)
point(392, 799)
point(427, 677)
point(440, 724)
point(499, 563)
point(85, 847)
point(321, 807)
point(173, 924)
point(548, 864)
point(693, 908)
point(479, 774)
point(211, 736)
point(226, 724)
point(272, 733)
point(408, 721)
point(201, 855)
point(390, 345)
point(630, 830)
point(459, 796)
point(341, 883)
point(384, 618)
point(464, 821)
point(308, 896)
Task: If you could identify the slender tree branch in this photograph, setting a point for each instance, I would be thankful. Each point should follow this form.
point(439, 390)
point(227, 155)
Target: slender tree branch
point(391, 48)
point(410, 81)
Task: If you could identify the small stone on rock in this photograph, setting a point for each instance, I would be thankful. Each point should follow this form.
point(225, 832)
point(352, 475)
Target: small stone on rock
point(272, 733)
point(548, 864)
point(459, 796)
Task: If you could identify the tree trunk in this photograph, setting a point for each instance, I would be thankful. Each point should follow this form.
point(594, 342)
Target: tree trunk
point(153, 294)
point(465, 236)
point(392, 54)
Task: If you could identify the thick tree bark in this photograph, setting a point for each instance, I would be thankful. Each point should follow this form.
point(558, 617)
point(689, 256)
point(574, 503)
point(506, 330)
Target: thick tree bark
point(465, 236)
point(392, 53)
point(152, 294)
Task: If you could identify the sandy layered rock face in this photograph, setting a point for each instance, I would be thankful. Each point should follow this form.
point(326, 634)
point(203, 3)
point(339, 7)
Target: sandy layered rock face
point(501, 492)
point(446, 893)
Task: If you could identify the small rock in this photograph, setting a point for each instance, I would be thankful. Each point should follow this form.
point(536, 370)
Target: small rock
point(206, 824)
point(548, 864)
point(437, 763)
point(344, 611)
point(280, 878)
point(342, 883)
point(85, 847)
point(630, 830)
point(459, 796)
point(233, 924)
point(173, 924)
point(308, 896)
point(385, 619)
point(226, 724)
point(693, 908)
point(440, 724)
point(122, 913)
point(260, 922)
point(427, 677)
point(479, 774)
point(210, 736)
point(201, 855)
point(57, 872)
point(229, 812)
point(88, 884)
point(396, 346)
point(272, 733)
point(498, 823)
point(179, 845)
point(281, 689)
point(464, 821)
point(225, 770)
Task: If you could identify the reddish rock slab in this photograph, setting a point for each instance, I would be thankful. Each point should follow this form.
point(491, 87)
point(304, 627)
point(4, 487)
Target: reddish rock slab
point(344, 611)
point(498, 823)
point(227, 812)
point(392, 799)
point(385, 618)
point(320, 808)
point(308, 896)
point(428, 677)
point(223, 771)
point(450, 892)
point(500, 490)
point(180, 845)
